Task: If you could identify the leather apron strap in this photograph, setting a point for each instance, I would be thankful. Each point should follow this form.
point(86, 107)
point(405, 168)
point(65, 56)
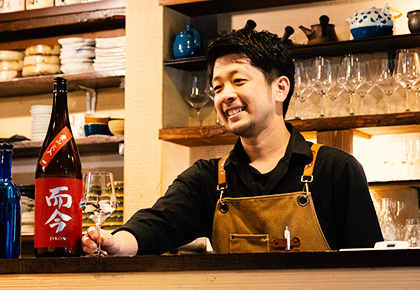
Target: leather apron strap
point(255, 224)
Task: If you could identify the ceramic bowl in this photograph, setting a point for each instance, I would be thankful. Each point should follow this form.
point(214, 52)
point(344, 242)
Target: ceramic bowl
point(96, 129)
point(371, 31)
point(116, 126)
point(414, 21)
point(96, 119)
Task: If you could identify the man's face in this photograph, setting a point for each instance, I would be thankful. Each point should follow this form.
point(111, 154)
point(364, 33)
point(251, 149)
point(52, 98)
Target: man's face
point(244, 101)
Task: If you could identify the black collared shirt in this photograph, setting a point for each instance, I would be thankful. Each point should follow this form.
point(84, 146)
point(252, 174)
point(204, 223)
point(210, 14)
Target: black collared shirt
point(339, 190)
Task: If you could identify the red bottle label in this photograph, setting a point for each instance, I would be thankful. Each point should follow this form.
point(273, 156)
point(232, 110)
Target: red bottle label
point(59, 141)
point(58, 217)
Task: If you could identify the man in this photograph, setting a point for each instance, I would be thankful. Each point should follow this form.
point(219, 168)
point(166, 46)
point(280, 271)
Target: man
point(266, 185)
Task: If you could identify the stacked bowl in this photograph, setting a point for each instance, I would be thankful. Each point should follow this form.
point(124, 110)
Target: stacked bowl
point(11, 64)
point(41, 60)
point(96, 125)
point(77, 54)
point(40, 120)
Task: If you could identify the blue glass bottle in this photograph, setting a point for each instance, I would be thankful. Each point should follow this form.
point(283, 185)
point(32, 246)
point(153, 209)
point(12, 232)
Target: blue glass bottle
point(10, 213)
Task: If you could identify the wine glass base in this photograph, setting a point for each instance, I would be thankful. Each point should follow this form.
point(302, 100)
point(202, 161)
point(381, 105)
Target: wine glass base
point(99, 253)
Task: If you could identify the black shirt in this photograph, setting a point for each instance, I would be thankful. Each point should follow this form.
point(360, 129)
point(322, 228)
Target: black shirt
point(340, 192)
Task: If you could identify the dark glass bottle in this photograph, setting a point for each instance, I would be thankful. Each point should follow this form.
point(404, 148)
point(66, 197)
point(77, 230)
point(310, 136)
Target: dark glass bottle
point(10, 212)
point(58, 185)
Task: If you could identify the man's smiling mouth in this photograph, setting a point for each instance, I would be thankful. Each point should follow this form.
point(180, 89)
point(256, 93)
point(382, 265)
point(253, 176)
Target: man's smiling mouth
point(234, 111)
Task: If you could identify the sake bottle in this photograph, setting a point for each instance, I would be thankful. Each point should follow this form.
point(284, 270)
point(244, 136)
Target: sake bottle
point(58, 185)
point(10, 209)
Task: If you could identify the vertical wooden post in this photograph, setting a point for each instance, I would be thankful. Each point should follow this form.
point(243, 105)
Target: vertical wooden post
point(341, 139)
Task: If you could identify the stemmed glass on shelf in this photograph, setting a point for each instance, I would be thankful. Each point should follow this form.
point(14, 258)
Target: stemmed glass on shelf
point(385, 80)
point(322, 79)
point(407, 71)
point(350, 77)
point(364, 83)
point(301, 84)
point(99, 201)
point(199, 94)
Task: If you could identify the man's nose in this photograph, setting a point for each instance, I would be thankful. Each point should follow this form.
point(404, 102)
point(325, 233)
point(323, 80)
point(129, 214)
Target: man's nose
point(228, 95)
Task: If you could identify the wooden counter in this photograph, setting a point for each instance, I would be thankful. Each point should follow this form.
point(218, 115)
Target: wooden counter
point(391, 269)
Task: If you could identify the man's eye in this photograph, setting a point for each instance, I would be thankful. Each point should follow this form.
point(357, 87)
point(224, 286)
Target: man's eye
point(217, 89)
point(238, 81)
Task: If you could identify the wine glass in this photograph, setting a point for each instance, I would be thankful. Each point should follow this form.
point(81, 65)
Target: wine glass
point(349, 76)
point(199, 94)
point(407, 71)
point(99, 201)
point(364, 83)
point(385, 80)
point(322, 79)
point(301, 84)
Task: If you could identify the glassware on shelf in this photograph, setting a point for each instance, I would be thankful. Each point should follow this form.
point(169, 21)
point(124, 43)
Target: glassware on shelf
point(401, 216)
point(387, 220)
point(199, 95)
point(407, 71)
point(301, 85)
point(334, 93)
point(323, 79)
point(385, 80)
point(350, 77)
point(412, 232)
point(364, 83)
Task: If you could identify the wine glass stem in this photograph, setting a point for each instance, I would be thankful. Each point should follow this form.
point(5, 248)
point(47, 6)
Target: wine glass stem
point(351, 110)
point(407, 98)
point(198, 116)
point(98, 230)
point(322, 95)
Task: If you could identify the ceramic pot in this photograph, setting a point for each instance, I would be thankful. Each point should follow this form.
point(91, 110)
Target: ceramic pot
point(414, 21)
point(372, 22)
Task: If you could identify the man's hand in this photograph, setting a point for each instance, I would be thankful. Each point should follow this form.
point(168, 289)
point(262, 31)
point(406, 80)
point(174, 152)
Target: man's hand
point(122, 243)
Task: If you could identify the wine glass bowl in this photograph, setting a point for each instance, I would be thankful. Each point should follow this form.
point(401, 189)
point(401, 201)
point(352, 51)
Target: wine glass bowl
point(350, 76)
point(99, 201)
point(301, 84)
point(200, 93)
point(322, 79)
point(407, 71)
point(385, 80)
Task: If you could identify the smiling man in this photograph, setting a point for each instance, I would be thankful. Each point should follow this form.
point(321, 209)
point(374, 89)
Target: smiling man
point(272, 182)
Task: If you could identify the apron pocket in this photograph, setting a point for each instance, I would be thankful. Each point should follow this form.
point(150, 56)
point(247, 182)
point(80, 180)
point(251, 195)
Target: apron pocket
point(249, 243)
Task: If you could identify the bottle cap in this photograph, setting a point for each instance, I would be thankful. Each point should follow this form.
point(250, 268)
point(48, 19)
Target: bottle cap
point(60, 84)
point(6, 146)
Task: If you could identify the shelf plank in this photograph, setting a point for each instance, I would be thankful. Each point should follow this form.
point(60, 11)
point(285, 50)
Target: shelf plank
point(62, 20)
point(90, 145)
point(207, 7)
point(44, 84)
point(408, 122)
point(366, 45)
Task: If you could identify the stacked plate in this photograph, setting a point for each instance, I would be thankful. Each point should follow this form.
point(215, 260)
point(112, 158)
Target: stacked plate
point(77, 54)
point(110, 54)
point(40, 120)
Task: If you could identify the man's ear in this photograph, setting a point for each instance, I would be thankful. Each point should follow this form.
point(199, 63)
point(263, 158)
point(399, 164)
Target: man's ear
point(282, 88)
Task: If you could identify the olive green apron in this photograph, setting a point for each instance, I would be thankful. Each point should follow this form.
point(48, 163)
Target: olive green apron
point(258, 224)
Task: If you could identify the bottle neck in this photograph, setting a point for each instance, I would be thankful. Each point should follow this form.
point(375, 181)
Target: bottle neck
point(59, 114)
point(5, 164)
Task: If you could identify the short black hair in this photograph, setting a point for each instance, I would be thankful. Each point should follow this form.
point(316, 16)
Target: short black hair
point(265, 50)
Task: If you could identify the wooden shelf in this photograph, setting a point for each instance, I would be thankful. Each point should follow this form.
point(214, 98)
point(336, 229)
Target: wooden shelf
point(366, 45)
point(91, 145)
point(207, 7)
point(367, 125)
point(44, 84)
point(62, 20)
